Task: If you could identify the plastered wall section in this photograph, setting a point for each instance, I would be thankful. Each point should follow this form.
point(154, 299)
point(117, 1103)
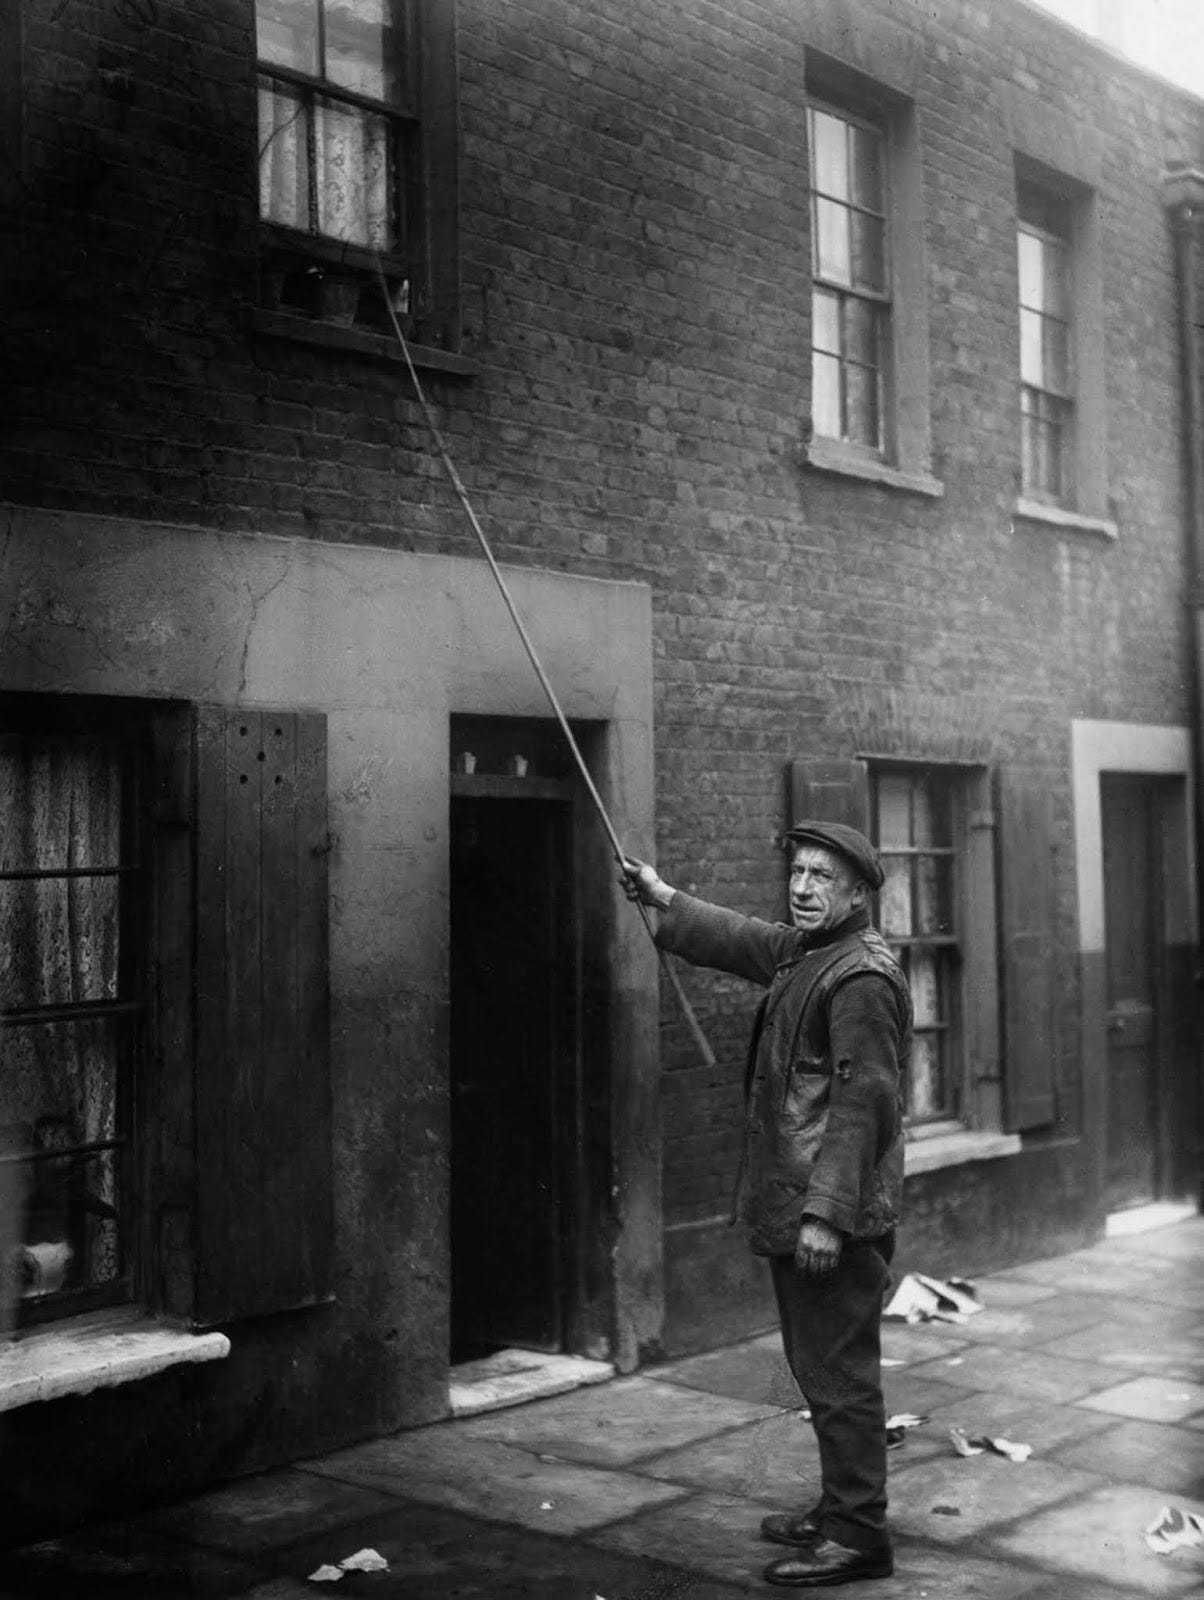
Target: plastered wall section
point(388, 645)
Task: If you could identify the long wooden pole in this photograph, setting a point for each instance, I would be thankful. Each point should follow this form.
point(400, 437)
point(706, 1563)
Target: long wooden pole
point(700, 1038)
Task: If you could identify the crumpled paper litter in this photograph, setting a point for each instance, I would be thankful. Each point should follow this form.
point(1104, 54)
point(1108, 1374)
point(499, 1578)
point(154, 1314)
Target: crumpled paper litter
point(920, 1298)
point(981, 1443)
point(1173, 1529)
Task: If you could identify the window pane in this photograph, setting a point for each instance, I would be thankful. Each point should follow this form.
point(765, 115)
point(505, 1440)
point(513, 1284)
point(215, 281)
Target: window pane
point(868, 251)
point(286, 32)
point(60, 803)
point(832, 241)
point(825, 322)
point(825, 395)
point(829, 155)
point(62, 1092)
point(1032, 271)
point(1031, 359)
point(867, 168)
point(283, 157)
point(58, 941)
point(925, 988)
point(363, 50)
point(925, 1098)
point(894, 811)
point(861, 331)
point(1054, 295)
point(894, 899)
point(861, 388)
point(356, 177)
point(1055, 339)
point(934, 894)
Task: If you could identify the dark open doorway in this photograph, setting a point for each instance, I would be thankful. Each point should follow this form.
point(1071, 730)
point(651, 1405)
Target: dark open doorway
point(514, 1056)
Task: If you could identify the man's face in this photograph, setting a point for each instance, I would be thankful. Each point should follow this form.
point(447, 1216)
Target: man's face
point(824, 889)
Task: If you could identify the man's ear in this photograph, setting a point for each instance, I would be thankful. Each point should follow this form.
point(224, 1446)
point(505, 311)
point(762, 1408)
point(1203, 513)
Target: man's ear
point(861, 894)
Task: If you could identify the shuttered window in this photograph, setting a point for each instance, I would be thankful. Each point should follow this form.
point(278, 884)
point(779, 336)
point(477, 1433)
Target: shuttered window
point(163, 1001)
point(948, 835)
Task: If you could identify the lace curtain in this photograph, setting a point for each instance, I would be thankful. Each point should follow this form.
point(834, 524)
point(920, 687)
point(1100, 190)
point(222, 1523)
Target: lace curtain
point(60, 806)
point(351, 156)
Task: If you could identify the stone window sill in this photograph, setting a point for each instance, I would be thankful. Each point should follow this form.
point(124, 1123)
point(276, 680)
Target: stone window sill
point(98, 1351)
point(956, 1149)
point(828, 455)
point(1064, 521)
point(357, 341)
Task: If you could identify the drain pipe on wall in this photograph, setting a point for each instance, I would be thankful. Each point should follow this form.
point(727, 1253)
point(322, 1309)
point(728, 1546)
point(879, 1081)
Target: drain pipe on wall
point(1183, 196)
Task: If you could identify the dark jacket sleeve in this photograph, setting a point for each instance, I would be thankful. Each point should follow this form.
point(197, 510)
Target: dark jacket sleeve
point(866, 1032)
point(710, 936)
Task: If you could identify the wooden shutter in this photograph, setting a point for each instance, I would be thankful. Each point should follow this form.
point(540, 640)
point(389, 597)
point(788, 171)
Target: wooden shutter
point(263, 1220)
point(1026, 876)
point(830, 791)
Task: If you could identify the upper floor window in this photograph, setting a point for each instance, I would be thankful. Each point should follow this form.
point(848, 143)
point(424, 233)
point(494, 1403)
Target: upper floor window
point(337, 119)
point(358, 160)
point(1046, 376)
point(915, 824)
point(850, 300)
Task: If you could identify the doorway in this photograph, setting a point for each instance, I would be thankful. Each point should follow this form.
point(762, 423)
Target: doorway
point(1133, 895)
point(514, 1063)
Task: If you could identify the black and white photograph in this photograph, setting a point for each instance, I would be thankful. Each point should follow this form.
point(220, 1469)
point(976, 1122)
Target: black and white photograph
point(601, 799)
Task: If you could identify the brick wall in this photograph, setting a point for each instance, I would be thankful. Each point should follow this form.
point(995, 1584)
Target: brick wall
point(635, 249)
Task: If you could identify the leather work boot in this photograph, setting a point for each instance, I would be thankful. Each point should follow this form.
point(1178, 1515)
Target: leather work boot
point(826, 1563)
point(792, 1527)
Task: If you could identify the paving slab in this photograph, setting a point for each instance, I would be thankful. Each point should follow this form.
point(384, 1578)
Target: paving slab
point(1150, 1399)
point(1184, 1242)
point(1123, 1276)
point(754, 1370)
point(1101, 1536)
point(435, 1554)
point(1028, 1373)
point(775, 1461)
point(718, 1535)
point(951, 1499)
point(920, 1341)
point(122, 1558)
point(1154, 1454)
point(263, 1513)
point(616, 1423)
point(486, 1478)
point(1159, 1351)
point(1044, 1427)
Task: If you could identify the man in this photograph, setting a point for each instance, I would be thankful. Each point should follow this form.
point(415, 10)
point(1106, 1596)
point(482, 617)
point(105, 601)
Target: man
point(821, 1173)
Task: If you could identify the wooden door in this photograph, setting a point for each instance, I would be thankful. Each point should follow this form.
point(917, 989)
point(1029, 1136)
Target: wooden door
point(512, 1055)
point(1132, 895)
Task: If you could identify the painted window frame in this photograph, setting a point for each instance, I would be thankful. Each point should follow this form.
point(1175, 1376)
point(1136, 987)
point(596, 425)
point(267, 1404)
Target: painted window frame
point(1063, 210)
point(336, 279)
point(903, 458)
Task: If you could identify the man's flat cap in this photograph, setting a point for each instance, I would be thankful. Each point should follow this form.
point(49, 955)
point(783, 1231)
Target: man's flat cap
point(846, 842)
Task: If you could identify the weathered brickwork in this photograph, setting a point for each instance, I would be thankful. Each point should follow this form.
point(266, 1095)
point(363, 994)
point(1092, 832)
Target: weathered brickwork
point(634, 230)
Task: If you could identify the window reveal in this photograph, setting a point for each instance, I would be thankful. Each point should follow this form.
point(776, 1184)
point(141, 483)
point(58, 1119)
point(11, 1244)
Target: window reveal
point(70, 988)
point(913, 817)
point(849, 299)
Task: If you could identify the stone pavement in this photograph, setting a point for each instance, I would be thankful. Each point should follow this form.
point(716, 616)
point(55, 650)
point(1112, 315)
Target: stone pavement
point(651, 1487)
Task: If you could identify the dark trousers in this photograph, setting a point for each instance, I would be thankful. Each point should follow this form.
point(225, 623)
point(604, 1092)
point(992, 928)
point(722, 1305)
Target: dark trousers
point(831, 1330)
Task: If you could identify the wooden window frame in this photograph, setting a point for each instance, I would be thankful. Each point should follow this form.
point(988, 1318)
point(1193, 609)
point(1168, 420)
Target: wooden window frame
point(844, 293)
point(948, 949)
point(127, 724)
point(423, 276)
point(904, 457)
point(1058, 405)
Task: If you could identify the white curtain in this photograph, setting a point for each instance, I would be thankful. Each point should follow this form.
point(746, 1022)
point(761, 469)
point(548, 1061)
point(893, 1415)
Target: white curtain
point(351, 151)
point(60, 806)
